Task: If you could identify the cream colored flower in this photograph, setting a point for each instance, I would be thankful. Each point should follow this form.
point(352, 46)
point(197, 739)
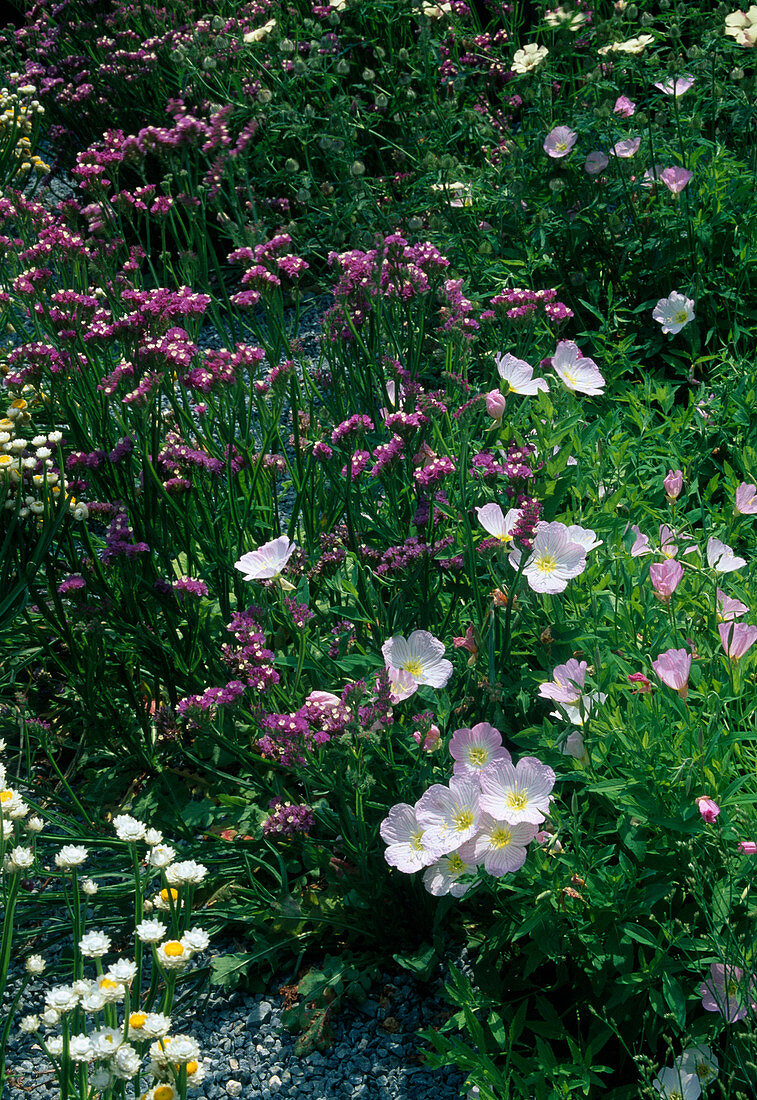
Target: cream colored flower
point(570, 20)
point(631, 45)
point(260, 32)
point(528, 58)
point(743, 26)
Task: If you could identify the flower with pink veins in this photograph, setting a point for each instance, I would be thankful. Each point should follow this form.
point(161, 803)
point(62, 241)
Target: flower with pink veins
point(729, 992)
point(408, 848)
point(676, 178)
point(669, 542)
point(584, 536)
point(567, 683)
point(641, 545)
point(554, 559)
point(624, 106)
point(677, 85)
point(495, 405)
point(496, 523)
point(673, 484)
point(626, 149)
point(421, 655)
point(519, 375)
point(708, 808)
point(746, 500)
point(729, 609)
point(450, 815)
point(476, 749)
point(665, 578)
point(267, 562)
point(519, 793)
point(501, 845)
point(401, 684)
point(673, 667)
point(443, 877)
point(747, 847)
point(721, 558)
point(576, 371)
point(559, 142)
point(737, 638)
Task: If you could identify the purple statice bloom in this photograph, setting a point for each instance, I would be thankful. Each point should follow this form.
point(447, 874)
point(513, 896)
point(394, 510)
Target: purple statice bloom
point(187, 586)
point(73, 583)
point(287, 820)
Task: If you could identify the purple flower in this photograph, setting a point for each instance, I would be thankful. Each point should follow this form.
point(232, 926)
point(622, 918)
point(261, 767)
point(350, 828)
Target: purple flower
point(737, 638)
point(673, 667)
point(728, 991)
point(665, 578)
point(676, 86)
point(624, 106)
point(676, 178)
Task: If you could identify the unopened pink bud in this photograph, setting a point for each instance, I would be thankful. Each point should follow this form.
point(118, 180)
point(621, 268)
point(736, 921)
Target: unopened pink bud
point(708, 808)
point(673, 484)
point(495, 405)
point(748, 847)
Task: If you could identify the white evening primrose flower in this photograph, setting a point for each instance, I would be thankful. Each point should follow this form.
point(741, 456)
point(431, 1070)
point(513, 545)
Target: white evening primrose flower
point(528, 58)
point(421, 654)
point(517, 793)
point(161, 855)
point(153, 837)
point(128, 828)
point(743, 26)
point(631, 45)
point(268, 561)
point(106, 1041)
point(519, 375)
point(583, 536)
point(721, 558)
point(563, 18)
point(576, 371)
point(80, 1049)
point(89, 887)
point(700, 1062)
point(407, 846)
point(496, 523)
point(186, 873)
point(123, 970)
point(449, 815)
point(28, 1024)
point(151, 931)
point(126, 1062)
point(70, 856)
point(259, 33)
point(196, 939)
point(443, 877)
point(173, 954)
point(35, 964)
point(501, 845)
point(94, 945)
point(554, 559)
point(61, 998)
point(674, 312)
point(673, 1084)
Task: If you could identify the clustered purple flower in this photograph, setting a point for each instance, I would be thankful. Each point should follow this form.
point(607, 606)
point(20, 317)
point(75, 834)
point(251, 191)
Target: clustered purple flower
point(287, 820)
point(521, 305)
point(119, 539)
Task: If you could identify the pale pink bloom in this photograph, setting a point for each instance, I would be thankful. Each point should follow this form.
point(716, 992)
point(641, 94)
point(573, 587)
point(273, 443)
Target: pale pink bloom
point(596, 162)
point(644, 688)
point(651, 176)
point(583, 536)
point(493, 520)
point(408, 848)
point(674, 312)
point(673, 484)
point(547, 839)
point(519, 375)
point(431, 740)
point(422, 655)
point(624, 106)
point(737, 638)
point(401, 684)
point(554, 559)
point(476, 749)
point(627, 148)
point(673, 667)
point(748, 847)
point(728, 992)
point(665, 578)
point(502, 845)
point(443, 877)
point(743, 26)
point(495, 404)
point(746, 499)
point(323, 698)
point(708, 808)
point(721, 558)
point(669, 542)
point(577, 713)
point(567, 683)
point(575, 746)
point(267, 561)
point(519, 793)
point(559, 142)
point(641, 545)
point(676, 178)
point(577, 372)
point(673, 1084)
point(729, 609)
point(676, 86)
point(450, 815)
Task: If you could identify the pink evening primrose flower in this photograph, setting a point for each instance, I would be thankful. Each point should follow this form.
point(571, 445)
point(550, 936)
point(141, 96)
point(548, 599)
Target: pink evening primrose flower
point(576, 371)
point(729, 609)
point(575, 746)
point(519, 793)
point(401, 684)
point(567, 683)
point(674, 312)
point(624, 106)
point(641, 545)
point(676, 178)
point(721, 558)
point(728, 992)
point(519, 375)
point(450, 815)
point(267, 561)
point(626, 149)
point(501, 845)
point(596, 162)
point(476, 749)
point(431, 740)
point(496, 523)
point(737, 638)
point(746, 500)
point(708, 808)
point(673, 484)
point(408, 847)
point(422, 655)
point(443, 877)
point(673, 667)
point(583, 536)
point(676, 86)
point(665, 578)
point(644, 688)
point(554, 559)
point(559, 142)
point(577, 713)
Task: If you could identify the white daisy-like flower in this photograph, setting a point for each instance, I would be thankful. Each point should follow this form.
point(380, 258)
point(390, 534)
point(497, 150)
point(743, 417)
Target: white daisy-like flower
point(128, 828)
point(106, 1041)
point(102, 1077)
point(196, 939)
point(61, 998)
point(576, 371)
point(12, 805)
point(89, 887)
point(161, 855)
point(54, 1045)
point(501, 845)
point(35, 964)
point(123, 970)
point(165, 901)
point(50, 1018)
point(674, 312)
point(268, 561)
point(186, 873)
point(21, 858)
point(126, 1062)
point(80, 1048)
point(27, 1024)
point(443, 877)
point(519, 375)
point(93, 1000)
point(176, 1049)
point(554, 559)
point(421, 654)
point(173, 954)
point(519, 793)
point(153, 837)
point(449, 814)
point(151, 931)
point(156, 1025)
point(35, 824)
point(496, 523)
point(721, 557)
point(112, 991)
point(70, 856)
point(528, 58)
point(408, 847)
point(94, 945)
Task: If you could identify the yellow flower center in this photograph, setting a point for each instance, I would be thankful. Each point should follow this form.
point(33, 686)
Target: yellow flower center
point(546, 563)
point(463, 819)
point(413, 666)
point(681, 317)
point(169, 894)
point(164, 1092)
point(107, 983)
point(733, 988)
point(6, 796)
point(703, 1071)
point(505, 538)
point(501, 836)
point(517, 800)
point(173, 948)
point(455, 865)
point(416, 841)
point(478, 757)
point(561, 146)
point(569, 377)
point(192, 1068)
point(5, 460)
point(137, 1019)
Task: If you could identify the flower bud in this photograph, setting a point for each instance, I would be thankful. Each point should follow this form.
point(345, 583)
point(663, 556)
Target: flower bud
point(495, 404)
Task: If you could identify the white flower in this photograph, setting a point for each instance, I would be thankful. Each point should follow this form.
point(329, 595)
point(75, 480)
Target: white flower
point(94, 945)
point(583, 536)
point(89, 887)
point(450, 814)
point(70, 856)
point(153, 837)
point(267, 561)
point(50, 1018)
point(151, 931)
point(128, 828)
point(721, 557)
point(102, 1078)
point(408, 849)
point(21, 858)
point(577, 713)
point(196, 939)
point(80, 1049)
point(93, 1000)
point(12, 805)
point(106, 1041)
point(674, 312)
point(577, 372)
point(260, 32)
point(519, 375)
point(496, 523)
point(401, 684)
point(111, 990)
point(61, 998)
point(699, 1061)
point(443, 877)
point(156, 1025)
point(161, 855)
point(517, 793)
point(175, 1049)
point(29, 1023)
point(631, 45)
point(571, 20)
point(35, 964)
point(554, 559)
point(186, 873)
point(35, 824)
point(672, 1084)
point(743, 26)
point(421, 655)
point(126, 1062)
point(528, 58)
point(173, 954)
point(55, 1045)
point(123, 970)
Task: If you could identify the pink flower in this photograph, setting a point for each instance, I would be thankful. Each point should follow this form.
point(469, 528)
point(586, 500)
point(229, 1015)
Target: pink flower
point(517, 794)
point(431, 740)
point(501, 845)
point(496, 523)
point(624, 106)
point(708, 808)
point(553, 561)
point(575, 746)
point(474, 750)
point(721, 558)
point(676, 86)
point(674, 312)
point(495, 404)
point(644, 688)
point(641, 545)
point(576, 371)
point(596, 162)
point(746, 500)
point(401, 684)
point(676, 178)
point(729, 609)
point(267, 562)
point(673, 667)
point(519, 375)
point(748, 847)
point(567, 683)
point(665, 578)
point(420, 655)
point(450, 815)
point(673, 484)
point(627, 148)
point(728, 992)
point(737, 638)
point(408, 849)
point(559, 142)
